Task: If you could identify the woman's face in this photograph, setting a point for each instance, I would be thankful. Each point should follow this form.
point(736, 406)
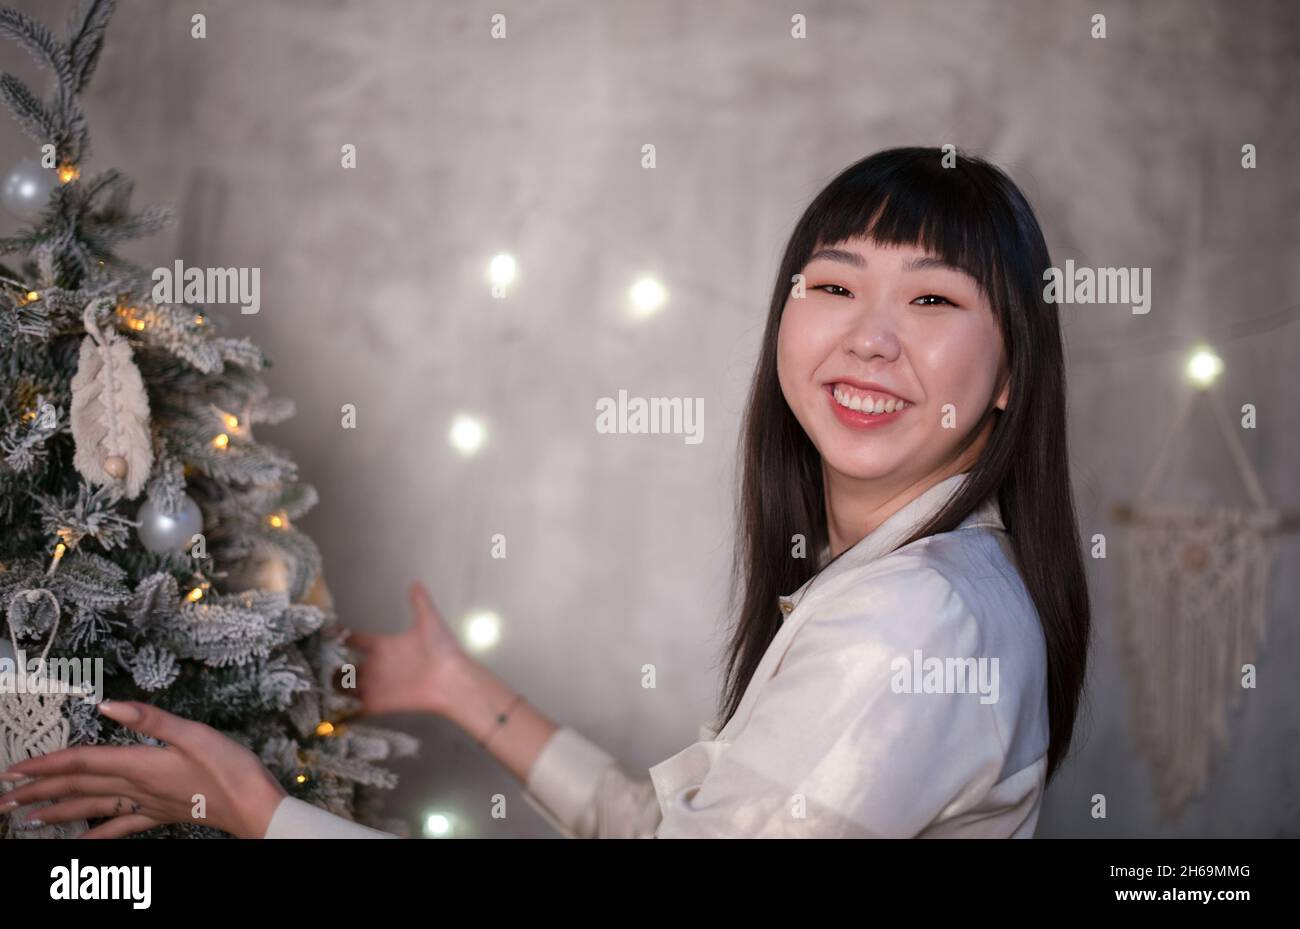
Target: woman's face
point(889, 329)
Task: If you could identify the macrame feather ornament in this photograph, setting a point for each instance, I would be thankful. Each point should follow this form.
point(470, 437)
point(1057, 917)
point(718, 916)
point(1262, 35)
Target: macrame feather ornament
point(1194, 610)
point(110, 411)
point(32, 721)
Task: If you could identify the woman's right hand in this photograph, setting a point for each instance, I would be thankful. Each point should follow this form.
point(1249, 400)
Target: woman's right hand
point(411, 671)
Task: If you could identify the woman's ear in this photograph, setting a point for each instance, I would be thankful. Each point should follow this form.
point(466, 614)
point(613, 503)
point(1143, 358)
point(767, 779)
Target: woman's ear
point(1001, 403)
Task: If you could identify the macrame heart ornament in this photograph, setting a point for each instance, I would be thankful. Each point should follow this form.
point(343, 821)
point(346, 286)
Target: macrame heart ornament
point(32, 721)
point(110, 411)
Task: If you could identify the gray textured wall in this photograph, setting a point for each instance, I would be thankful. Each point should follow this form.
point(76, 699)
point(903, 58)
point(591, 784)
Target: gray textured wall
point(373, 294)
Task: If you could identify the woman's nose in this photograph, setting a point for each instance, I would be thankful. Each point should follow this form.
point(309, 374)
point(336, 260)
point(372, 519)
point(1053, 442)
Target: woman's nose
point(873, 333)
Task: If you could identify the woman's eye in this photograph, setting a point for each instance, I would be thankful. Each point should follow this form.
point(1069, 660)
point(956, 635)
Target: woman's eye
point(928, 298)
point(843, 291)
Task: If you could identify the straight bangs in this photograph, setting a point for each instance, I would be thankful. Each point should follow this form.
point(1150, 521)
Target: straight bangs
point(909, 201)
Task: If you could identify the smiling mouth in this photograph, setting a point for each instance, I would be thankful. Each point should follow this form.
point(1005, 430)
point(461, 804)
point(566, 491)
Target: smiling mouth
point(864, 401)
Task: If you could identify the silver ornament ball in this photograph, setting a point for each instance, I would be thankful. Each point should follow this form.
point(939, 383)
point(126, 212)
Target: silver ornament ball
point(26, 189)
point(161, 533)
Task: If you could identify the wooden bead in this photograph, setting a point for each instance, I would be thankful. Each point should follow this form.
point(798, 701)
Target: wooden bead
point(116, 466)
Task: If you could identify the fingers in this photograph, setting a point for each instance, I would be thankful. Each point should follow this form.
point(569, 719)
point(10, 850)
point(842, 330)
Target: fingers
point(143, 717)
point(122, 825)
point(425, 611)
point(80, 808)
point(61, 786)
point(130, 762)
point(362, 640)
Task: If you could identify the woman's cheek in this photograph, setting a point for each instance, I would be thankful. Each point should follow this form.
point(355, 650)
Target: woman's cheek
point(793, 363)
point(959, 361)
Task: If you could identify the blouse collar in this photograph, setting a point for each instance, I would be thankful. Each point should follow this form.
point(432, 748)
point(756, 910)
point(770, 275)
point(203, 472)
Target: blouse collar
point(885, 537)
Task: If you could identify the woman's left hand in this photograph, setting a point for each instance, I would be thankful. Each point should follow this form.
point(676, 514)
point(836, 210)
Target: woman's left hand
point(199, 776)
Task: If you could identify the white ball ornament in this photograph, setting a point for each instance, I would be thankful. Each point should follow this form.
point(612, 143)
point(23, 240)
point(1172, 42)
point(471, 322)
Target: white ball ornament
point(162, 533)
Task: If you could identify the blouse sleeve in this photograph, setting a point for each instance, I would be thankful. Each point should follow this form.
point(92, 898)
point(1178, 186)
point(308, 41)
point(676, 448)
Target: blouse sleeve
point(838, 745)
point(297, 819)
point(583, 791)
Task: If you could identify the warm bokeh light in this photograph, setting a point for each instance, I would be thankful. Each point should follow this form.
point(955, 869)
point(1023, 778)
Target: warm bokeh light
point(482, 630)
point(467, 434)
point(502, 270)
point(646, 296)
point(1204, 367)
point(437, 825)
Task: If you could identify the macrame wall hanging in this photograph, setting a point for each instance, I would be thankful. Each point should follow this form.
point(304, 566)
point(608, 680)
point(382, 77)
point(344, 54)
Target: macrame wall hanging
point(32, 717)
point(1194, 608)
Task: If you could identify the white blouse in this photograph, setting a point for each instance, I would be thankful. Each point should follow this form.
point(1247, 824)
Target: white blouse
point(904, 695)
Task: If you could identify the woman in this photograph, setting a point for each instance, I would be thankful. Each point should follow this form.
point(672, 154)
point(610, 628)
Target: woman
point(912, 636)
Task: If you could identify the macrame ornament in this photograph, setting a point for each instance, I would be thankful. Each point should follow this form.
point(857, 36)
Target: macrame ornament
point(110, 411)
point(32, 721)
point(1193, 613)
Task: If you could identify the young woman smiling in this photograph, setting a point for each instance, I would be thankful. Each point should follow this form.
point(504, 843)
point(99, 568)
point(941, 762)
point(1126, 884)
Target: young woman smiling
point(906, 525)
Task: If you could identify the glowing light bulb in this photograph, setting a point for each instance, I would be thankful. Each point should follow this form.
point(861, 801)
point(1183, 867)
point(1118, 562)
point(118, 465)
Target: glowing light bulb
point(325, 728)
point(221, 441)
point(437, 825)
point(502, 270)
point(482, 630)
point(1204, 367)
point(467, 434)
point(646, 296)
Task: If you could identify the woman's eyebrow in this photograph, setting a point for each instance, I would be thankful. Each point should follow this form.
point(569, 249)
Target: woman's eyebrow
point(919, 263)
point(839, 254)
point(934, 262)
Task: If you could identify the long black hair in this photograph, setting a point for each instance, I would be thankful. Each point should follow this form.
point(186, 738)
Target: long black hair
point(973, 216)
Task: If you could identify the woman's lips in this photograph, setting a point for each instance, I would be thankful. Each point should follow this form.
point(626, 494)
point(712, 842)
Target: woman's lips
point(856, 419)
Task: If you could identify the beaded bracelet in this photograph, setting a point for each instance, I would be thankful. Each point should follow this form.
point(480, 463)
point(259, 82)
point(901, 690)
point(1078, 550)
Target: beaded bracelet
point(502, 718)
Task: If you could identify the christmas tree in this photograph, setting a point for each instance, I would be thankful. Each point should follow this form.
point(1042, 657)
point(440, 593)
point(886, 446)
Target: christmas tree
point(143, 526)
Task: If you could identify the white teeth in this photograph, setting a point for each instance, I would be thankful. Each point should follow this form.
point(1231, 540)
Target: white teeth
point(868, 403)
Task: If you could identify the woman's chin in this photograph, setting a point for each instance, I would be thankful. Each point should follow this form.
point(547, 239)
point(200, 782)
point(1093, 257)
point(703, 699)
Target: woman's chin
point(859, 468)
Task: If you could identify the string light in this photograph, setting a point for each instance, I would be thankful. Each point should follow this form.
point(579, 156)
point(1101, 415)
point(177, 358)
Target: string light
point(325, 728)
point(31, 296)
point(201, 586)
point(199, 320)
point(301, 779)
point(68, 173)
point(482, 630)
point(502, 270)
point(221, 441)
point(437, 825)
point(59, 549)
point(1204, 367)
point(467, 435)
point(278, 520)
point(647, 295)
point(130, 316)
